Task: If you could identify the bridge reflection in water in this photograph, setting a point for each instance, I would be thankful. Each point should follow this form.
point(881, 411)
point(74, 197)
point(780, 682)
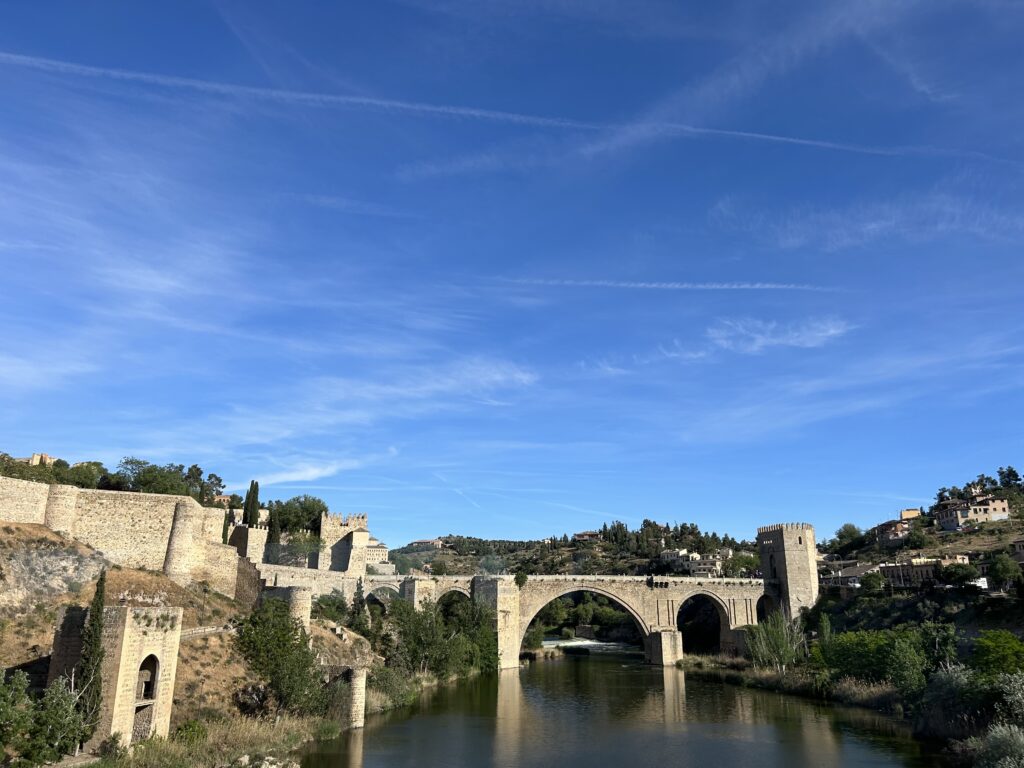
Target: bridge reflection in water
point(618, 713)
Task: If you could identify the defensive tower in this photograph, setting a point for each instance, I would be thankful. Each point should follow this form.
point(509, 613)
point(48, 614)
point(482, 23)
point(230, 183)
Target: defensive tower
point(788, 554)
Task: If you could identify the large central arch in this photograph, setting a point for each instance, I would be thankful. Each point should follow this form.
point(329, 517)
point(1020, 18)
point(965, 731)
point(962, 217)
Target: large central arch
point(535, 603)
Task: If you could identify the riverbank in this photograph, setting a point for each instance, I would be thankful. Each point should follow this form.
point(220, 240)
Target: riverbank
point(236, 740)
point(881, 697)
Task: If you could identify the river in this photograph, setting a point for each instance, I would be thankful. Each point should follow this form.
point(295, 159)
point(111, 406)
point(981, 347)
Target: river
point(611, 710)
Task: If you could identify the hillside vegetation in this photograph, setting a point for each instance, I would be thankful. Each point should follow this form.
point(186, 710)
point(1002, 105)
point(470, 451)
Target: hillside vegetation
point(616, 550)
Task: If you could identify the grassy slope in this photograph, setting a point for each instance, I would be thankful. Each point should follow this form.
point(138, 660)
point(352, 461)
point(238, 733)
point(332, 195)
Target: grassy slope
point(41, 572)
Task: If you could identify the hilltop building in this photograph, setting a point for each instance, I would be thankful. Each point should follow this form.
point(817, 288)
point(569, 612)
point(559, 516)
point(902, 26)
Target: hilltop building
point(953, 514)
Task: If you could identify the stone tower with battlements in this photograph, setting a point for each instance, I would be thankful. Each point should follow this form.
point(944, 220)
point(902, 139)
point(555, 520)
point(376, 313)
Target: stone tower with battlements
point(344, 541)
point(789, 554)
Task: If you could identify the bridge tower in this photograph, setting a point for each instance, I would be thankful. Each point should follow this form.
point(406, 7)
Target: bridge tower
point(788, 554)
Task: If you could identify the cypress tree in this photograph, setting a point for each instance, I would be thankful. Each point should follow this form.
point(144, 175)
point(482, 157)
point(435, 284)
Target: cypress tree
point(273, 536)
point(90, 683)
point(224, 529)
point(251, 505)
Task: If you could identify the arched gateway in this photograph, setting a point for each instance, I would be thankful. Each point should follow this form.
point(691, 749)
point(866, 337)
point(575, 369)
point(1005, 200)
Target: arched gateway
point(788, 562)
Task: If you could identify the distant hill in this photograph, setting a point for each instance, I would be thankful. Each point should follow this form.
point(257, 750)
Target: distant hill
point(612, 549)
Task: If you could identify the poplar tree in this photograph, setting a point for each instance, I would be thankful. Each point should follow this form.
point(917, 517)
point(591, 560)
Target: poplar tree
point(90, 683)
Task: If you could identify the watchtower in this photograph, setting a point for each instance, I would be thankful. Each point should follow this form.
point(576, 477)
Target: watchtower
point(789, 554)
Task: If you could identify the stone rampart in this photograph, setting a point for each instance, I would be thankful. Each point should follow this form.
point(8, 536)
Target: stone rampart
point(136, 530)
point(22, 501)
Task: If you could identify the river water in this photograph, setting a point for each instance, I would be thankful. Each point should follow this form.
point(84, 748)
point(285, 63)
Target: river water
point(611, 710)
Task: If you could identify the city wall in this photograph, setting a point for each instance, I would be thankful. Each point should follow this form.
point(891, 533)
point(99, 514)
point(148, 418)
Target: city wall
point(137, 530)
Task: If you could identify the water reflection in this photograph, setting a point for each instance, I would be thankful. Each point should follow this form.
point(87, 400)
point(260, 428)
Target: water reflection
point(615, 712)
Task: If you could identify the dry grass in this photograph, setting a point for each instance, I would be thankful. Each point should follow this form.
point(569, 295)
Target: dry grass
point(226, 740)
point(880, 696)
point(210, 670)
point(26, 629)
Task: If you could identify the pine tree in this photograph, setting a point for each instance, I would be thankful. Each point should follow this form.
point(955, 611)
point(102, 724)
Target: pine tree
point(89, 682)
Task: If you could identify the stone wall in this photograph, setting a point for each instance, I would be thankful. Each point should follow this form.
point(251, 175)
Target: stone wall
point(22, 501)
point(136, 530)
point(130, 637)
point(247, 583)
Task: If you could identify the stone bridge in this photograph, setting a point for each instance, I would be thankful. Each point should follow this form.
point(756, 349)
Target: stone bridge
point(788, 561)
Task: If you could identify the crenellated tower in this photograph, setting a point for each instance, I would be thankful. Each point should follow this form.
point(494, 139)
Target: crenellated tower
point(789, 554)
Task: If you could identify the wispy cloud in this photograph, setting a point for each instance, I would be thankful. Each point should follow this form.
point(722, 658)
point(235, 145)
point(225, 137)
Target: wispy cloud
point(909, 217)
point(667, 286)
point(703, 99)
point(750, 336)
point(356, 207)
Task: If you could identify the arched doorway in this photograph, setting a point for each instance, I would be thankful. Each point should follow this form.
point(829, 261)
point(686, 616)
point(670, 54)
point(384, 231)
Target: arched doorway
point(702, 620)
point(586, 614)
point(146, 688)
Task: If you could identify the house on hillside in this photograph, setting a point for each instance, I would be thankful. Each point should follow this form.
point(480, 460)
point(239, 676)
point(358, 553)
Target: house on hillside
point(891, 533)
point(953, 514)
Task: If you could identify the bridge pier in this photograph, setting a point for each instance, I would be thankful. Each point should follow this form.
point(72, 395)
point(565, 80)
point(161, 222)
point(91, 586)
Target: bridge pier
point(502, 595)
point(664, 647)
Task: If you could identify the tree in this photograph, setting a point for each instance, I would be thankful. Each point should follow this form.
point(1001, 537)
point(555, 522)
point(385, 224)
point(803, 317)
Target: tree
point(274, 528)
point(776, 642)
point(998, 651)
point(872, 582)
point(89, 678)
point(251, 505)
point(439, 567)
point(301, 513)
point(57, 726)
point(521, 578)
point(1009, 478)
point(277, 648)
point(358, 619)
point(1004, 570)
point(16, 712)
point(958, 574)
point(225, 528)
point(847, 533)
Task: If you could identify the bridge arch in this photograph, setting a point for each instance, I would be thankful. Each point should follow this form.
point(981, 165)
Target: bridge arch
point(529, 609)
point(704, 622)
point(382, 595)
point(457, 589)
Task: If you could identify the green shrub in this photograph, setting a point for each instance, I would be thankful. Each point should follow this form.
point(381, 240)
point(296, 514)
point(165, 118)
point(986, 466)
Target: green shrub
point(998, 651)
point(1001, 747)
point(190, 732)
point(393, 683)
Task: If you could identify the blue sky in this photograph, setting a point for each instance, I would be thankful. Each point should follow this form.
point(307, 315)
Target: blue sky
point(517, 267)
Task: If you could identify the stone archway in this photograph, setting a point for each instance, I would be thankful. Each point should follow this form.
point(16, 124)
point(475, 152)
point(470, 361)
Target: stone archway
point(536, 605)
point(703, 621)
point(147, 687)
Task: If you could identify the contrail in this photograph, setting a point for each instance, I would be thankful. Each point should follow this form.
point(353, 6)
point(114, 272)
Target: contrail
point(309, 98)
point(289, 97)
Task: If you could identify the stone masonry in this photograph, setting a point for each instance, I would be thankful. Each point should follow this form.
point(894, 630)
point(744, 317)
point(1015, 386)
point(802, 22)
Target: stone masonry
point(139, 665)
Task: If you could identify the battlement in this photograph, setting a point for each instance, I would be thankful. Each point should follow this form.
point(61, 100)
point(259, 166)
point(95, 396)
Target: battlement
point(783, 527)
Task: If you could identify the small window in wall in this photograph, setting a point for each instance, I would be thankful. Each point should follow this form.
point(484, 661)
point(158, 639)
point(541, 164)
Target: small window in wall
point(799, 539)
